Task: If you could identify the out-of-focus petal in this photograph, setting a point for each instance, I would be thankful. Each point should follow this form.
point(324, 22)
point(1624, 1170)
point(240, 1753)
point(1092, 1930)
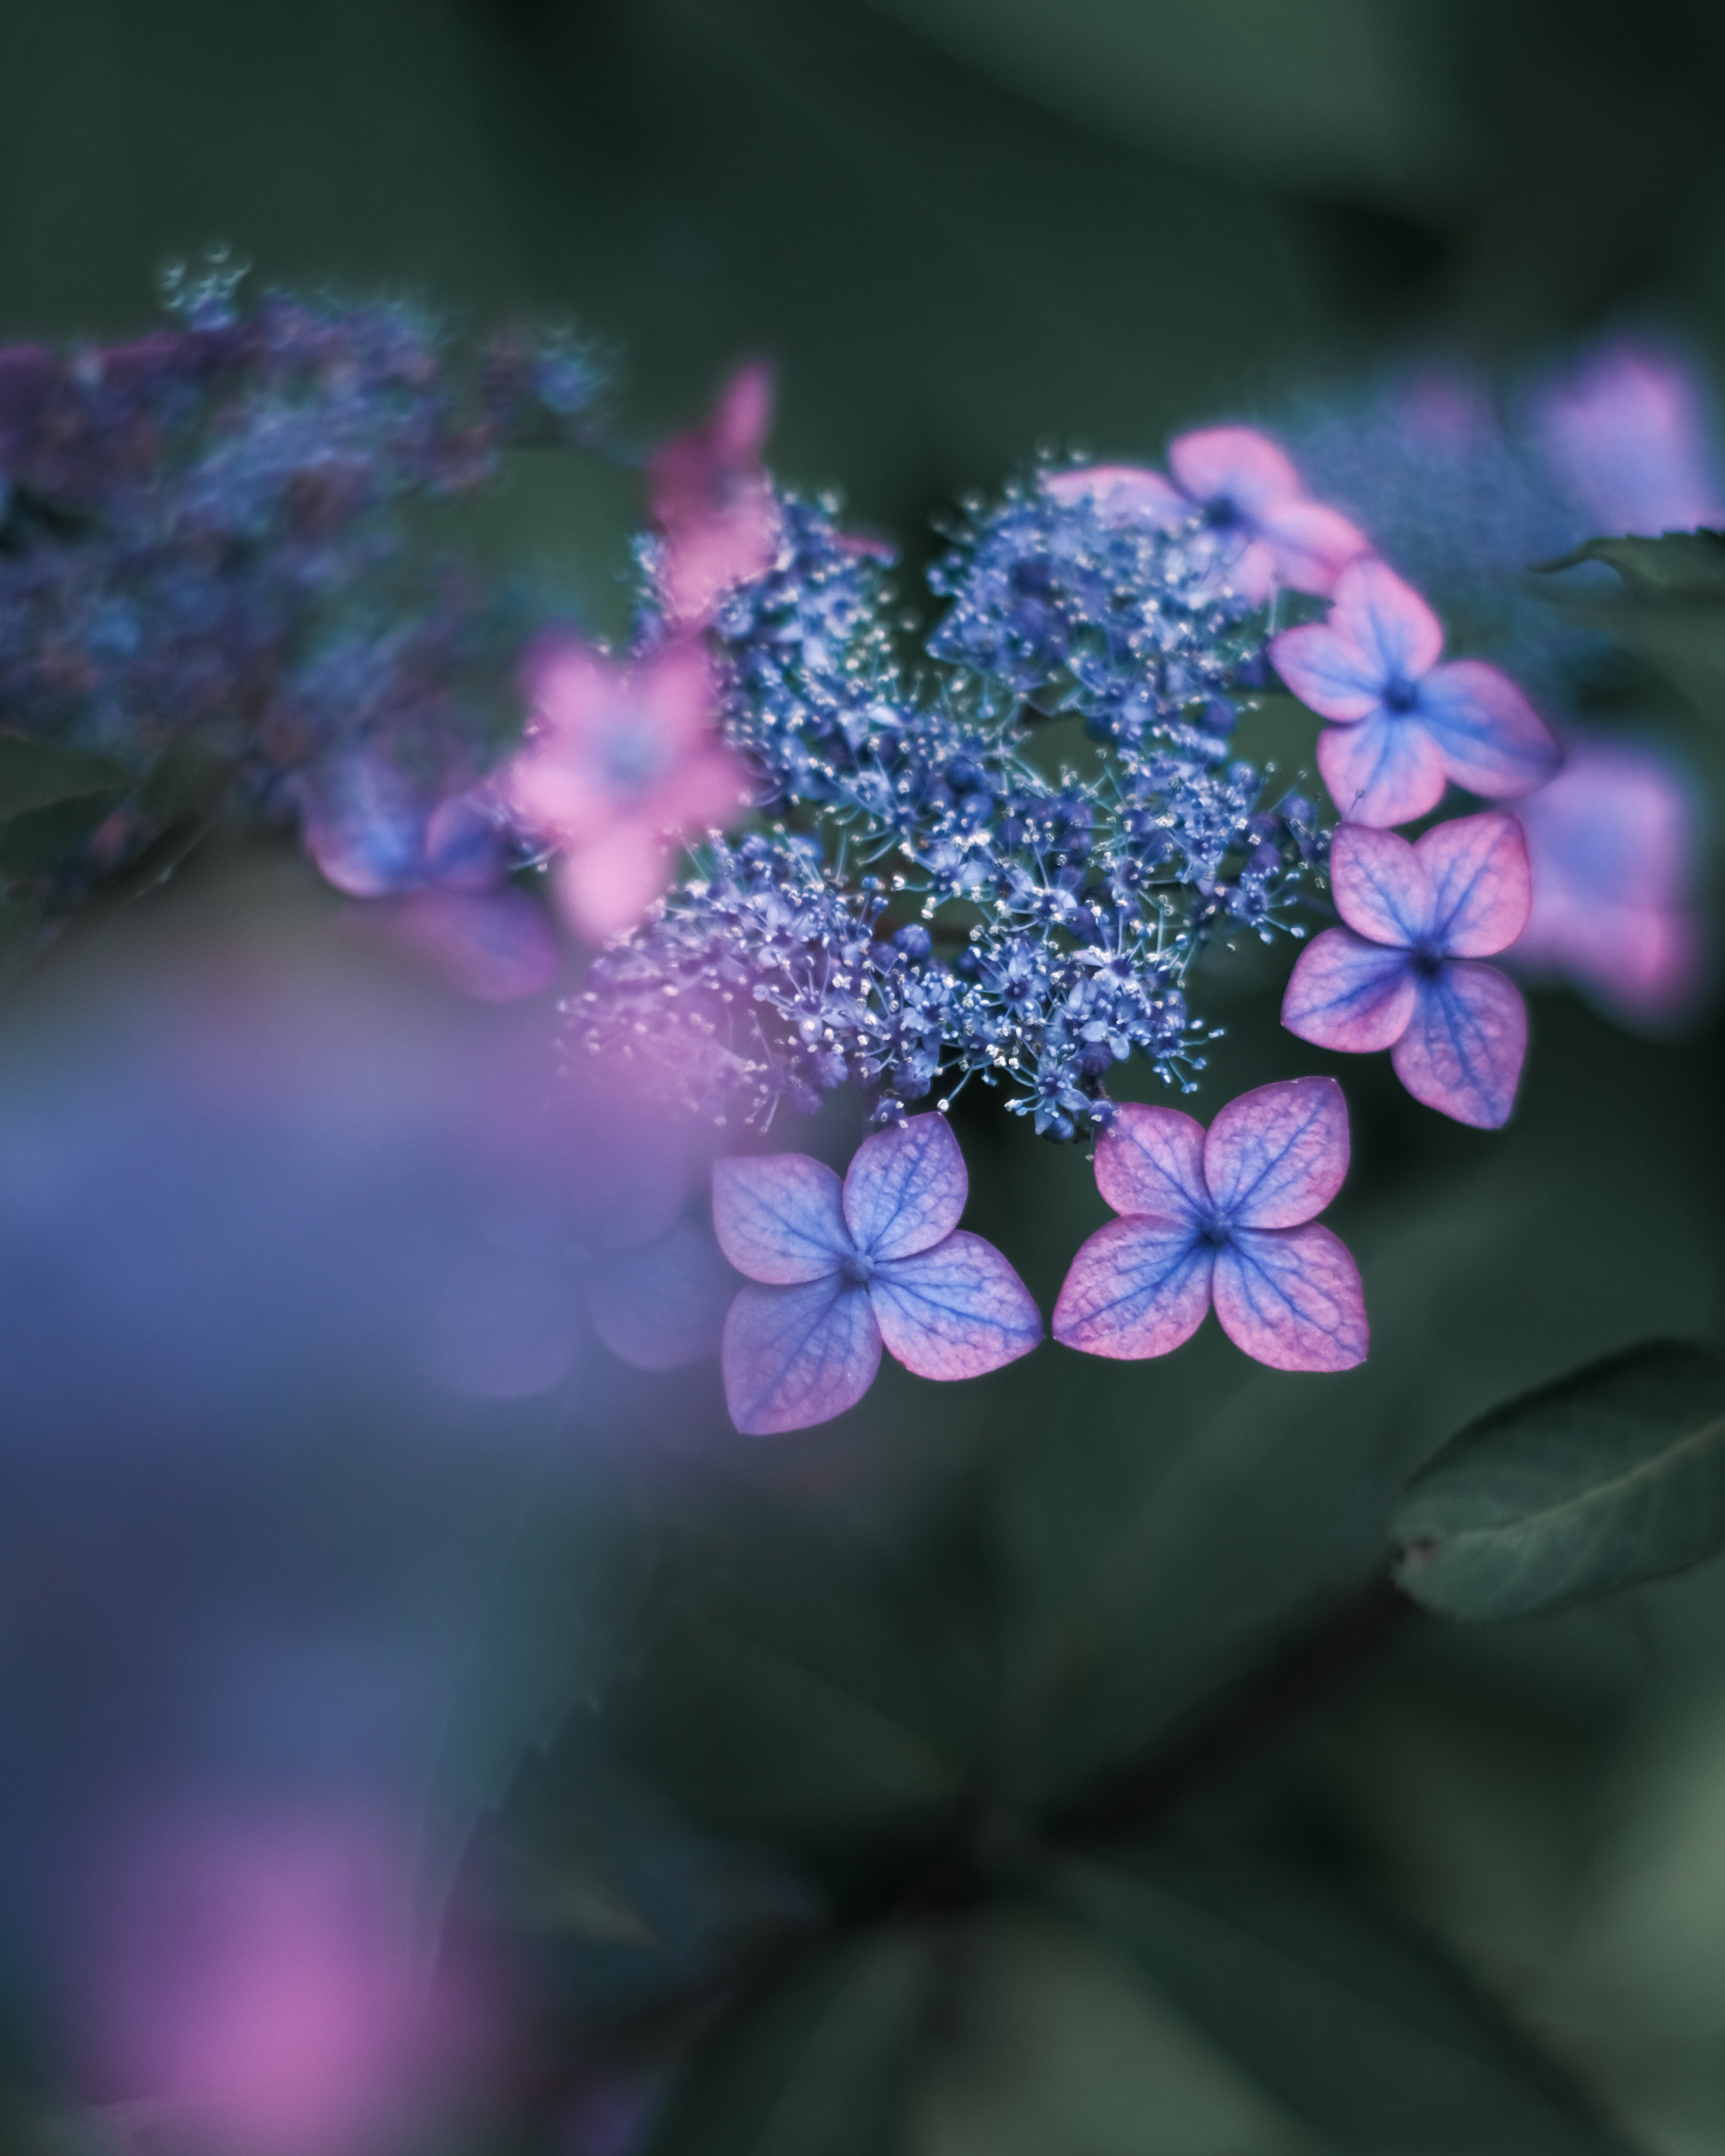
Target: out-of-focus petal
point(1463, 1051)
point(955, 1311)
point(497, 948)
point(1292, 1299)
point(1136, 1288)
point(1235, 464)
point(607, 885)
point(1347, 993)
point(795, 1356)
point(1123, 494)
point(1311, 545)
point(905, 1188)
point(1480, 888)
point(1631, 437)
point(1328, 672)
point(1150, 1160)
point(778, 1218)
point(742, 418)
point(1387, 770)
point(1276, 1156)
point(678, 690)
point(663, 1304)
point(569, 686)
point(1251, 574)
point(1491, 739)
point(1386, 619)
point(1380, 884)
point(707, 792)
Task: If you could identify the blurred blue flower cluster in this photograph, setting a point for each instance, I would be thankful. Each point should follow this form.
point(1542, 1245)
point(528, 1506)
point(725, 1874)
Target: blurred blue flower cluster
point(955, 883)
point(209, 588)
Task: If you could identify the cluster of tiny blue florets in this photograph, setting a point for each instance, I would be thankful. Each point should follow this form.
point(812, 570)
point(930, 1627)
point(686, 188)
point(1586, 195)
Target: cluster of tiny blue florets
point(209, 585)
point(1003, 864)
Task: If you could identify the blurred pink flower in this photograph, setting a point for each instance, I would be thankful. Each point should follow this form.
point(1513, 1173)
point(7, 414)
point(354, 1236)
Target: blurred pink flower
point(1245, 490)
point(714, 503)
point(248, 1977)
point(1613, 845)
point(621, 761)
point(1631, 435)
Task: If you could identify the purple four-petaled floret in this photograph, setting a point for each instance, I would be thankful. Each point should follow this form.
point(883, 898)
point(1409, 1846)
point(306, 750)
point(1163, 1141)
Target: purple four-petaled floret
point(838, 1270)
point(1227, 1216)
point(1404, 972)
point(1404, 724)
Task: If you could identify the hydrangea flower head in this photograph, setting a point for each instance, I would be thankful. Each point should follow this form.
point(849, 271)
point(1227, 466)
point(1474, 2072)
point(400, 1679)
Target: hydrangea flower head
point(1404, 724)
point(1245, 491)
point(1227, 1217)
point(838, 1270)
point(620, 760)
point(1613, 845)
point(1403, 973)
point(714, 504)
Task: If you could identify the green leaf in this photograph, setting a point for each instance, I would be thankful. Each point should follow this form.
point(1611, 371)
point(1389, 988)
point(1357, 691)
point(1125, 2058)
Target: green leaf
point(1359, 2030)
point(35, 773)
point(1681, 564)
point(821, 2066)
point(1613, 1475)
point(783, 1695)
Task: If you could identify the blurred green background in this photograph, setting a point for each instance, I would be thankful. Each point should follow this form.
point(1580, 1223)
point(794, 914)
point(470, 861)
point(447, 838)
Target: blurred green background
point(963, 228)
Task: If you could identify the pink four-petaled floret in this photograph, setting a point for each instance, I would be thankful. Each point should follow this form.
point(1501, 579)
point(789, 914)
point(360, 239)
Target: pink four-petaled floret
point(714, 504)
point(838, 1270)
point(1404, 972)
point(621, 761)
point(1404, 724)
point(1268, 530)
point(1227, 1216)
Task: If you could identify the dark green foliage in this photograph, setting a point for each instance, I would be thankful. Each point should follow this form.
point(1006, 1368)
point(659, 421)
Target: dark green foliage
point(1611, 1475)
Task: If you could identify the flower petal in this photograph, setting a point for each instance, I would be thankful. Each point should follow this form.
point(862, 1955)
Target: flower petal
point(1138, 1287)
point(496, 948)
point(796, 1356)
point(1292, 1299)
point(955, 1311)
point(1328, 674)
point(905, 1188)
point(1387, 771)
point(1345, 993)
point(1463, 1051)
point(1236, 464)
point(1277, 1155)
point(606, 885)
point(1385, 620)
point(1380, 884)
point(1491, 739)
point(1311, 545)
point(1151, 1160)
point(777, 1216)
point(1122, 493)
point(663, 1304)
point(1481, 886)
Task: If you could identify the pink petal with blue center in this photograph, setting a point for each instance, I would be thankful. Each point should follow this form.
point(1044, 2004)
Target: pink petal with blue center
point(906, 1189)
point(1138, 1287)
point(1481, 886)
point(1387, 770)
point(1491, 739)
point(1380, 884)
point(1347, 993)
point(796, 1356)
point(955, 1311)
point(778, 1217)
point(1151, 1160)
point(1292, 1299)
point(1276, 1156)
point(1235, 465)
point(1463, 1051)
point(1387, 623)
point(1330, 675)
